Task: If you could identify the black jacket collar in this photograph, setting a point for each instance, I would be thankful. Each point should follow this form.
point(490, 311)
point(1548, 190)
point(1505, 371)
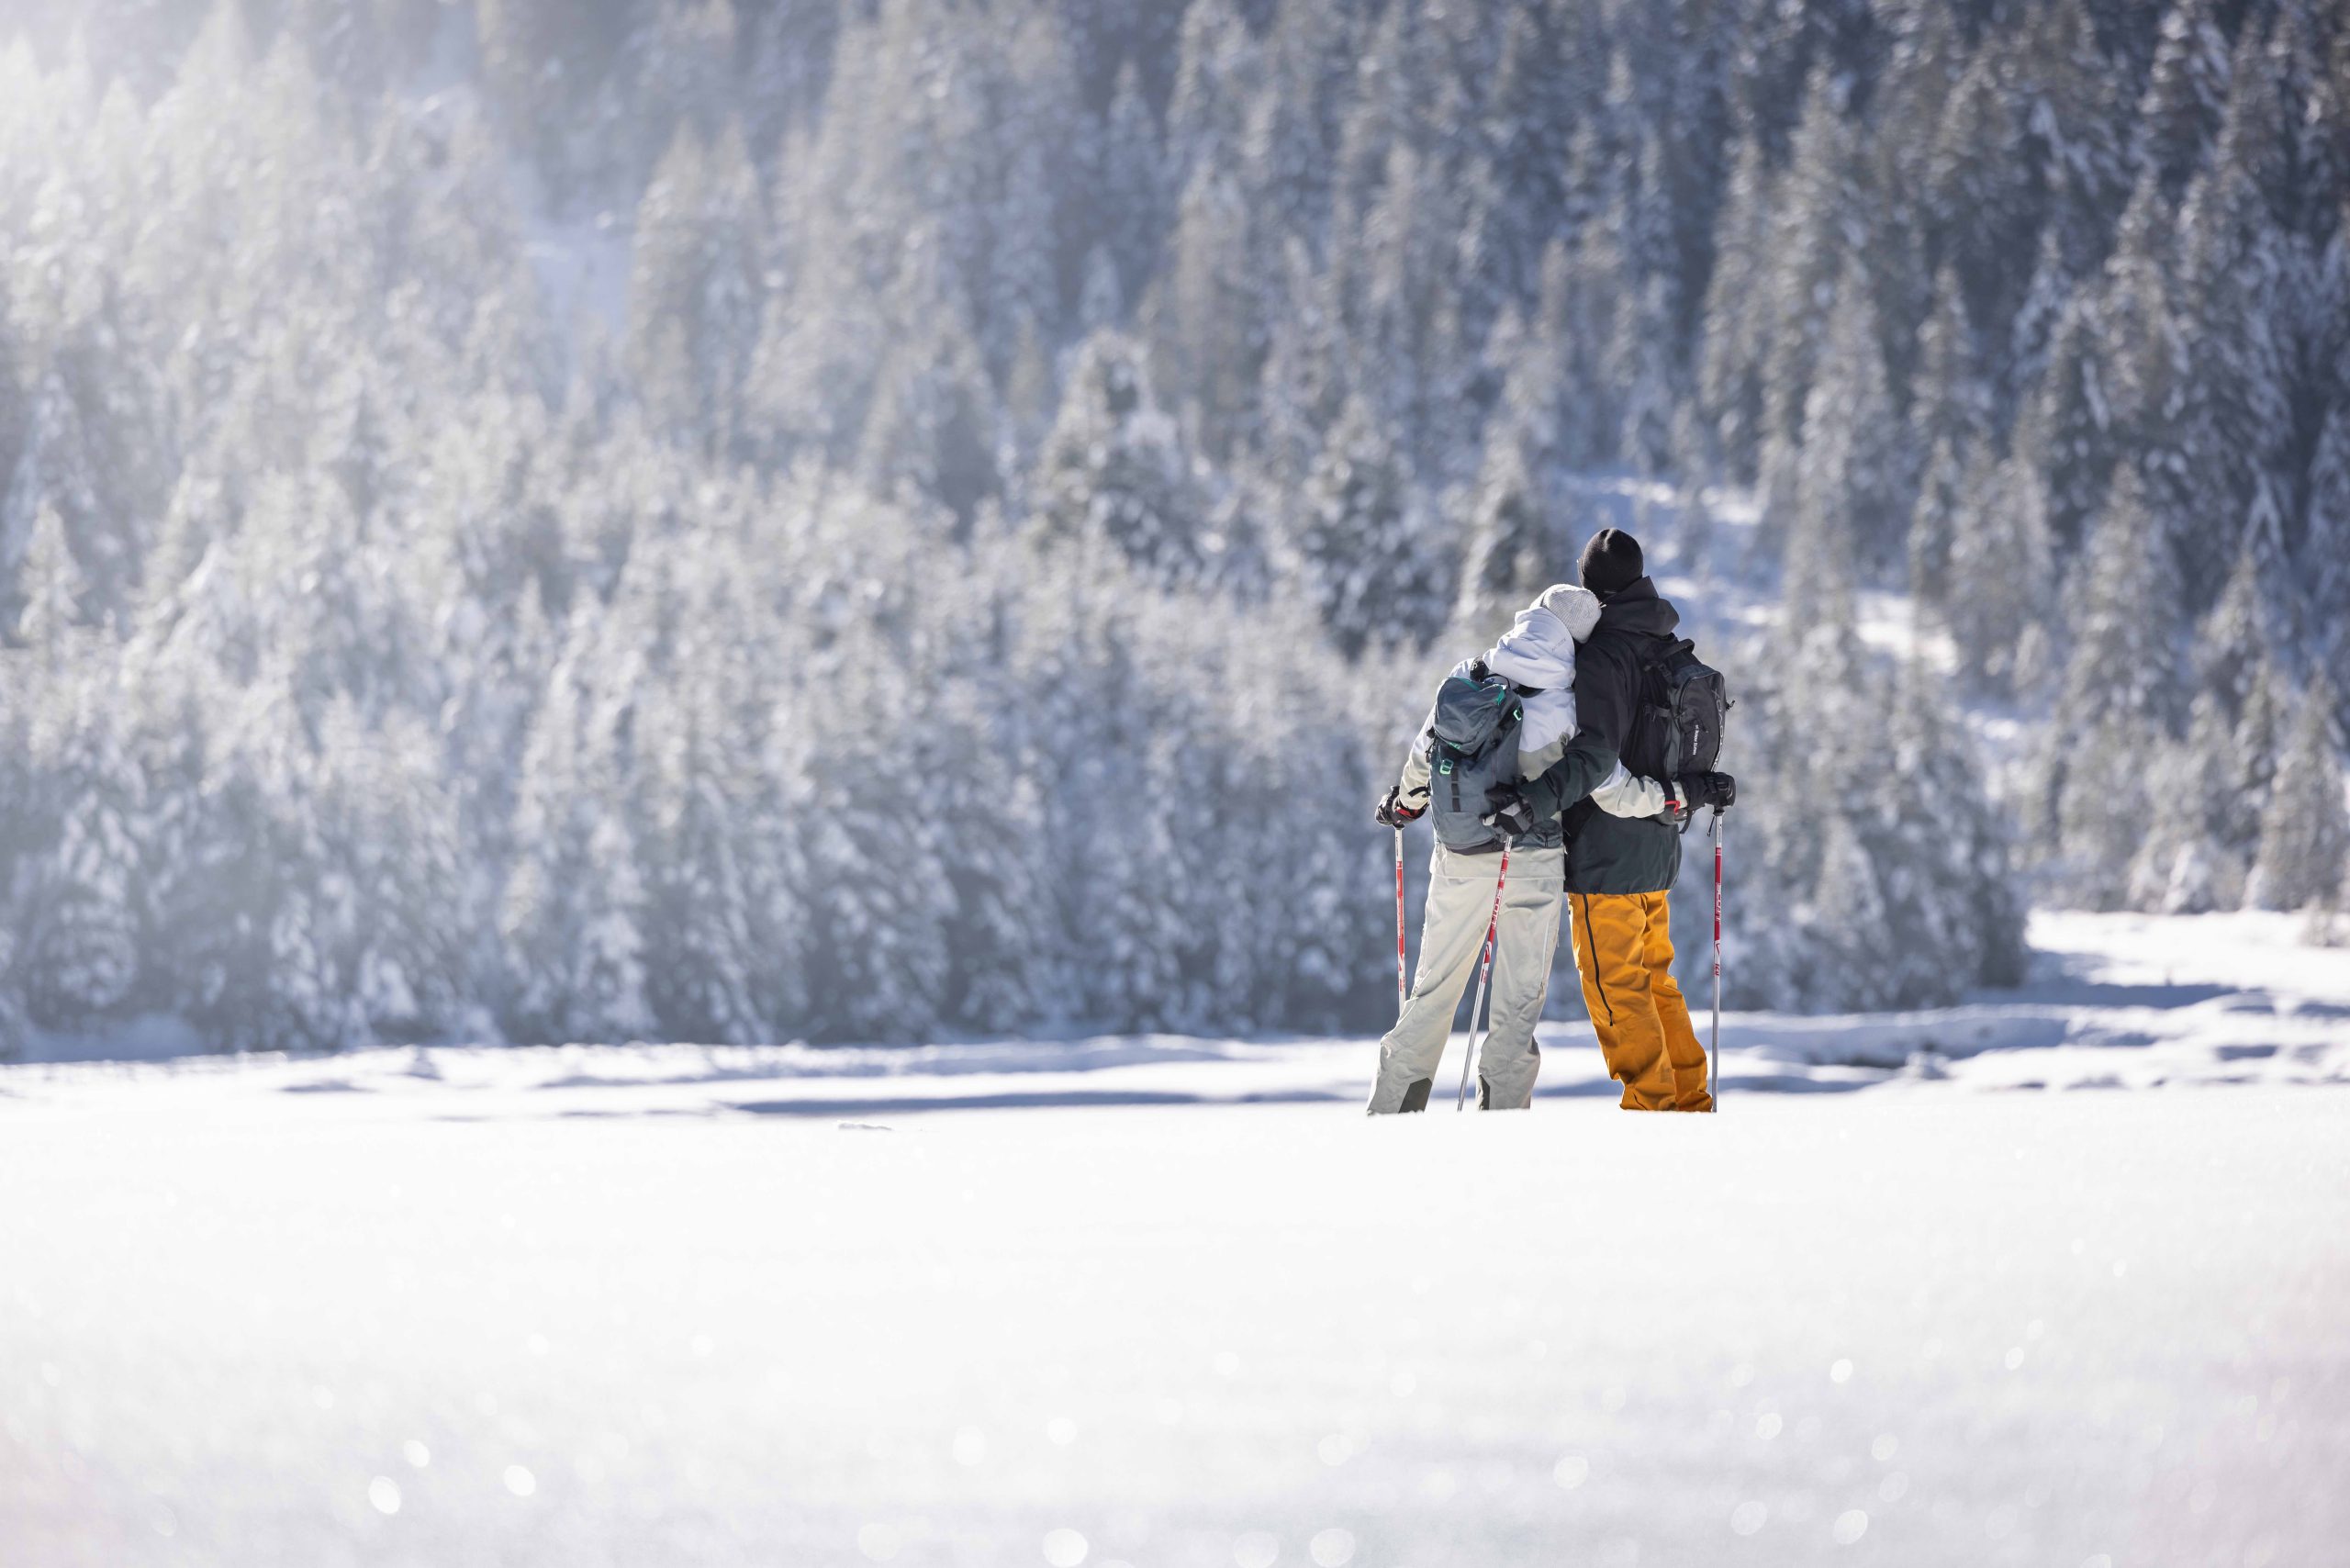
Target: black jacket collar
point(1637, 609)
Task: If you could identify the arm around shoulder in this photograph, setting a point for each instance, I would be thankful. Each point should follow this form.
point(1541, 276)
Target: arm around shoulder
point(1625, 794)
point(1589, 758)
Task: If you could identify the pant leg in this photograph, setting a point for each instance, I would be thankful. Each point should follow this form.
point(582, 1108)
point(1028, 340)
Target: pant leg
point(1683, 1052)
point(1509, 1061)
point(1452, 930)
point(1611, 938)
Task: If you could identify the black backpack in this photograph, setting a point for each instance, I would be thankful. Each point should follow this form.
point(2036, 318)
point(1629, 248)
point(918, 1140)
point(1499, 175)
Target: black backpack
point(1677, 728)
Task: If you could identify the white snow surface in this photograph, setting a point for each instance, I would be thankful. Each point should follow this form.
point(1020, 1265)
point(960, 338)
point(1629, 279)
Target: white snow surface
point(1160, 1302)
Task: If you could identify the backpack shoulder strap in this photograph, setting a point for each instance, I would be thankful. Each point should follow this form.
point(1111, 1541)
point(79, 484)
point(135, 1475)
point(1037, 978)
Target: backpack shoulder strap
point(1664, 650)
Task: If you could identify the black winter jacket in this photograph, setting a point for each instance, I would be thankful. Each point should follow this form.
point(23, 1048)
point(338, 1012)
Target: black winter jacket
point(1608, 854)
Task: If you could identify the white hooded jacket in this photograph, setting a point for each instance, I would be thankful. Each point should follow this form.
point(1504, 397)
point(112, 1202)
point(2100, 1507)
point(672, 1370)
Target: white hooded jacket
point(1538, 655)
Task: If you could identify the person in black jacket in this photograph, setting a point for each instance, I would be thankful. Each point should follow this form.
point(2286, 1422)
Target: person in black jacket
point(1620, 870)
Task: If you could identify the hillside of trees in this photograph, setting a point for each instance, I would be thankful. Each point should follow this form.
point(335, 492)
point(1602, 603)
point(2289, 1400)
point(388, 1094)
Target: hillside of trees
point(981, 576)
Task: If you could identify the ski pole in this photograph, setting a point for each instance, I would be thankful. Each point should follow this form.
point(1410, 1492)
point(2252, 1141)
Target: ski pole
point(1484, 972)
point(1399, 994)
point(1713, 1049)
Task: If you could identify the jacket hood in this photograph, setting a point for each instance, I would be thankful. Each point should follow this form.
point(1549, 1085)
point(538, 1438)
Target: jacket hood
point(1538, 650)
point(1639, 610)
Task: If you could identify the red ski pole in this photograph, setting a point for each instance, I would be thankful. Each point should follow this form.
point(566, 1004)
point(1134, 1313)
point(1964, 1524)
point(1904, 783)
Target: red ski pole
point(1484, 972)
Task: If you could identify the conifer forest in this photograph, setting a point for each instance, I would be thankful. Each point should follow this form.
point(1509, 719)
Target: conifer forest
point(900, 519)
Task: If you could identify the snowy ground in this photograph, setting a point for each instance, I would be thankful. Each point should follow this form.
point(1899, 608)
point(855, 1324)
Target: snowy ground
point(1170, 1302)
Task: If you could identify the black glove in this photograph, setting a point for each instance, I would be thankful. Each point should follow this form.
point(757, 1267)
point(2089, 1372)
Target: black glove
point(1699, 790)
point(1512, 815)
point(1394, 813)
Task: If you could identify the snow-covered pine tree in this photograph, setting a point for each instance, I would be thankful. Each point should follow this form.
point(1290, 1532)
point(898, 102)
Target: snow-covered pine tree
point(77, 892)
point(933, 423)
point(1854, 493)
point(2249, 770)
point(2228, 490)
point(1007, 954)
point(687, 68)
point(2005, 605)
point(1811, 231)
point(1873, 870)
point(1040, 128)
point(1134, 202)
point(2186, 94)
point(1513, 548)
point(1202, 318)
point(2304, 851)
point(1114, 470)
point(1730, 368)
point(2231, 645)
point(702, 960)
point(393, 903)
point(1981, 208)
point(2118, 700)
point(2066, 433)
point(2073, 104)
point(2184, 866)
point(1934, 522)
point(695, 290)
point(2323, 569)
point(790, 67)
point(1362, 541)
point(572, 912)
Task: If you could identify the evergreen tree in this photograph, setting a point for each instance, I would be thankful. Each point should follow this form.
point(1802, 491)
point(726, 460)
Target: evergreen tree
point(1114, 470)
point(792, 58)
point(1853, 495)
point(2229, 490)
point(2249, 773)
point(75, 903)
point(1133, 209)
point(1812, 226)
point(2117, 702)
point(2232, 644)
point(2305, 833)
point(2186, 94)
point(1980, 203)
point(2184, 866)
point(694, 289)
point(1730, 373)
point(1513, 551)
point(701, 957)
point(2067, 436)
point(686, 71)
point(933, 423)
point(1202, 316)
point(1934, 522)
point(2325, 566)
point(2124, 632)
point(1365, 558)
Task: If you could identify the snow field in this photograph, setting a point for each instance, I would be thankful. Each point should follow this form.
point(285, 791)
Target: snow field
point(450, 1327)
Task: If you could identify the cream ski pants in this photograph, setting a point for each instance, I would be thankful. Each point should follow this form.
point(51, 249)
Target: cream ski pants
point(1452, 933)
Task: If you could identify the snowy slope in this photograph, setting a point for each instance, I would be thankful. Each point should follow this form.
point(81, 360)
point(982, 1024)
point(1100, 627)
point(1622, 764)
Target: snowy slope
point(1168, 1301)
point(457, 1326)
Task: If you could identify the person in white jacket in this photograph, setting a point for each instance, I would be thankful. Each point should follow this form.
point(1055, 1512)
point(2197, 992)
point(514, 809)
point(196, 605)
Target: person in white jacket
point(1536, 657)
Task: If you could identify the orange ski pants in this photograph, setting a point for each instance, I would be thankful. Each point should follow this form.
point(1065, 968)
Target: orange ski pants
point(1624, 953)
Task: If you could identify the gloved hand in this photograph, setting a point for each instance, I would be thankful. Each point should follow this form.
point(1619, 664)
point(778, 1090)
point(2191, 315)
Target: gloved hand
point(1719, 790)
point(1394, 813)
point(1512, 816)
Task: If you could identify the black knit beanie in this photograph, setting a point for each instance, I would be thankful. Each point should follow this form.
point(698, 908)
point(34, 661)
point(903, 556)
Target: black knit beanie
point(1611, 562)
